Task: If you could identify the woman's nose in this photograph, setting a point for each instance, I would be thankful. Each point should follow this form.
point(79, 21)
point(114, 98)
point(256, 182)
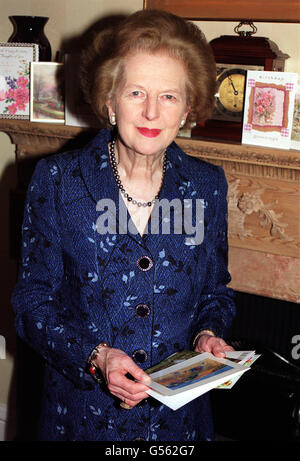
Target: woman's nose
point(151, 108)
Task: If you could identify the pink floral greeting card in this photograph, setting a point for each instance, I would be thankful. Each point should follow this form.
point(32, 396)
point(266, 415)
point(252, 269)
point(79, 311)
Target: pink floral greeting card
point(15, 59)
point(268, 109)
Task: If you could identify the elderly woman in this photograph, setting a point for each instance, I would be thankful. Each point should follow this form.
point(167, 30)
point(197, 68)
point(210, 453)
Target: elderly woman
point(100, 301)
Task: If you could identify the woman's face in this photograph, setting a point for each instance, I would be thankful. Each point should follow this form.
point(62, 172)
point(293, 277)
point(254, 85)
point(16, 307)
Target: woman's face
point(150, 103)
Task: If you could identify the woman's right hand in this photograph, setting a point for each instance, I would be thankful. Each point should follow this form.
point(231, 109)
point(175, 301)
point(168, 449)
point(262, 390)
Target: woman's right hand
point(115, 365)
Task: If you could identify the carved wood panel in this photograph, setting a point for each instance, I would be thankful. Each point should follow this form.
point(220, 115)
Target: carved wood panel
point(264, 215)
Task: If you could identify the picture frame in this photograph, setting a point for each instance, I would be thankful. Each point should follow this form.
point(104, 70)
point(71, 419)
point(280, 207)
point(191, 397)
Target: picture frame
point(222, 10)
point(47, 103)
point(15, 61)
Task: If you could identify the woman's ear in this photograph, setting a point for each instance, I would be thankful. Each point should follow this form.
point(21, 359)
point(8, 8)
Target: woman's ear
point(109, 106)
point(184, 117)
point(188, 108)
point(111, 112)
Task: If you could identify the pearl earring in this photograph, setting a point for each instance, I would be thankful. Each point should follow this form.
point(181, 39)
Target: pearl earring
point(182, 123)
point(113, 119)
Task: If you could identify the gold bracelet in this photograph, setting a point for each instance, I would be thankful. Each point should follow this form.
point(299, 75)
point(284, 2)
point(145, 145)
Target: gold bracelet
point(202, 332)
point(93, 368)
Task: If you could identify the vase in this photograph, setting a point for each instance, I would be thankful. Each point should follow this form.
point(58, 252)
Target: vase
point(30, 29)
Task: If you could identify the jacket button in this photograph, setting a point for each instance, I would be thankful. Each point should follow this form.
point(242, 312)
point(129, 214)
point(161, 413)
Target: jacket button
point(142, 310)
point(140, 356)
point(144, 263)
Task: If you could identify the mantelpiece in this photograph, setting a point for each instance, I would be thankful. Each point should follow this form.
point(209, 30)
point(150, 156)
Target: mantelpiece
point(263, 202)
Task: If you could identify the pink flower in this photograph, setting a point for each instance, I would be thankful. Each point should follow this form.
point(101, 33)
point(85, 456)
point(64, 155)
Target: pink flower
point(2, 95)
point(21, 97)
point(22, 81)
point(12, 109)
point(260, 110)
point(266, 99)
point(11, 94)
point(21, 106)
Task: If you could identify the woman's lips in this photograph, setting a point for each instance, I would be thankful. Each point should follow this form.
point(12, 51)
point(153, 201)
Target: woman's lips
point(149, 133)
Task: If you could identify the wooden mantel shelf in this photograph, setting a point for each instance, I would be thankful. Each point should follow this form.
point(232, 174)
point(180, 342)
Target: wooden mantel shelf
point(263, 202)
point(38, 138)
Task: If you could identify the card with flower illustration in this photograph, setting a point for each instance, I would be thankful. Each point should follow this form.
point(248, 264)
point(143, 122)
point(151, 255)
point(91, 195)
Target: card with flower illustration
point(47, 102)
point(268, 109)
point(15, 59)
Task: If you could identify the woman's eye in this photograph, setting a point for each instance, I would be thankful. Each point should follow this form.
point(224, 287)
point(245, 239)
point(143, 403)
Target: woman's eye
point(169, 97)
point(136, 93)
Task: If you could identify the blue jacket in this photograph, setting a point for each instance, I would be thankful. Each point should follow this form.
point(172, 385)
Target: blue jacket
point(77, 287)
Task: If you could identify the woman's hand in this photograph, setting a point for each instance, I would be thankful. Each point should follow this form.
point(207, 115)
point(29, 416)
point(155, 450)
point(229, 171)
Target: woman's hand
point(212, 344)
point(115, 365)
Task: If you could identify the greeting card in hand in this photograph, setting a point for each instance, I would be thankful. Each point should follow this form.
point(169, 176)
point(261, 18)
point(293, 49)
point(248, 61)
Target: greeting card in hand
point(246, 358)
point(189, 375)
point(15, 59)
point(268, 109)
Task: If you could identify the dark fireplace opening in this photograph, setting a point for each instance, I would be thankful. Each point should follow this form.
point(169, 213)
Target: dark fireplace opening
point(265, 403)
point(271, 323)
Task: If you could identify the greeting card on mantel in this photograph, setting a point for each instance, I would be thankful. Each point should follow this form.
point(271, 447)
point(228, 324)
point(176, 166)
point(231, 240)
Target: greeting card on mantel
point(15, 59)
point(268, 109)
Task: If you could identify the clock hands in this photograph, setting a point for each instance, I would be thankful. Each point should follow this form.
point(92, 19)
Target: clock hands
point(234, 89)
point(230, 97)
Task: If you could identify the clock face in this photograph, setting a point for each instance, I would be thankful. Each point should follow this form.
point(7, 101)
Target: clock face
point(231, 80)
point(230, 94)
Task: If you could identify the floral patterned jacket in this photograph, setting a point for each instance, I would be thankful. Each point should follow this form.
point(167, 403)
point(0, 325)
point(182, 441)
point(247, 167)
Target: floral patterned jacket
point(147, 296)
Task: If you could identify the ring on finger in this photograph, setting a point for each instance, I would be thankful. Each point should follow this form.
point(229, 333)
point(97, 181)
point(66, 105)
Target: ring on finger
point(125, 405)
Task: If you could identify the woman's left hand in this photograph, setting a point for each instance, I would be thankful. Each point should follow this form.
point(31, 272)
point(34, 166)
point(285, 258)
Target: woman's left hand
point(212, 344)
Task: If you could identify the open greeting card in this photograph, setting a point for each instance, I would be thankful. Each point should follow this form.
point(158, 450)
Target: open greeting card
point(268, 109)
point(185, 376)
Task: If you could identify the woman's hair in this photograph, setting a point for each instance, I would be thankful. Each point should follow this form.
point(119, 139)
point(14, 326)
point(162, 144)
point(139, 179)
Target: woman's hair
point(152, 31)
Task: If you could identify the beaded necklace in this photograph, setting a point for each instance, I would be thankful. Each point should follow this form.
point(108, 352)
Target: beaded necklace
point(119, 182)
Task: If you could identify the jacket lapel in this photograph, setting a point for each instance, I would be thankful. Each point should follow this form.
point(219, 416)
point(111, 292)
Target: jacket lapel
point(100, 183)
point(95, 168)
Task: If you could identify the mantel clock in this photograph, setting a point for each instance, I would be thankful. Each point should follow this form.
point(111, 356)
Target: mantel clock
point(235, 55)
